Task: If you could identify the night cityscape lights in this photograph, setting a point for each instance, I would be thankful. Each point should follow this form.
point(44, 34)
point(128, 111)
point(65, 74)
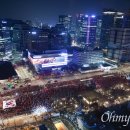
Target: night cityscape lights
point(67, 67)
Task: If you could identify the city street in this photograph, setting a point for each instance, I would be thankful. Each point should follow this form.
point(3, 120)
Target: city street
point(122, 69)
point(64, 65)
point(19, 120)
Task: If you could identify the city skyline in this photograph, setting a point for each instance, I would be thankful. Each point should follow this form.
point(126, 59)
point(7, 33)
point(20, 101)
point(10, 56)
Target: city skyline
point(64, 64)
point(48, 11)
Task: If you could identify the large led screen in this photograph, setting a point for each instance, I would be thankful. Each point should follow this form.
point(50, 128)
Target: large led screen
point(50, 61)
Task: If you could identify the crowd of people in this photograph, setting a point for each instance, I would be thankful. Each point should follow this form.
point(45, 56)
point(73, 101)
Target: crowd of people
point(110, 81)
point(30, 97)
point(21, 90)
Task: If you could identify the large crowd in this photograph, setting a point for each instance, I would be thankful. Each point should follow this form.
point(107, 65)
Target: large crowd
point(30, 97)
point(110, 81)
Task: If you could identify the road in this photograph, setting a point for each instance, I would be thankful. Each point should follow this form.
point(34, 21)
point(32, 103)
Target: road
point(20, 120)
point(79, 76)
point(23, 72)
point(42, 82)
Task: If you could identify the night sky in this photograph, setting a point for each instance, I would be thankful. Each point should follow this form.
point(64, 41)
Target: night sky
point(48, 10)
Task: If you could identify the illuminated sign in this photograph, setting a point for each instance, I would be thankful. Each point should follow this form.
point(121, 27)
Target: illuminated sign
point(43, 60)
point(51, 61)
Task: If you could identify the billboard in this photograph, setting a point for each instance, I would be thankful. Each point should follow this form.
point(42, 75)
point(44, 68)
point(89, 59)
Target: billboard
point(50, 61)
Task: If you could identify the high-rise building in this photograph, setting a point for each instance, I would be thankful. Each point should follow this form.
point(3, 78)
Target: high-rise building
point(110, 18)
point(86, 30)
point(60, 39)
point(66, 20)
point(59, 28)
point(119, 45)
point(13, 31)
point(98, 31)
point(39, 39)
point(2, 46)
point(20, 36)
point(126, 22)
point(6, 34)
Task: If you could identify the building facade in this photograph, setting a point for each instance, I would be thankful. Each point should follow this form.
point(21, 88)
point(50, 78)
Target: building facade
point(110, 18)
point(119, 45)
point(60, 39)
point(48, 59)
point(86, 30)
point(66, 20)
point(81, 58)
point(126, 21)
point(20, 36)
point(98, 31)
point(39, 39)
point(6, 31)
